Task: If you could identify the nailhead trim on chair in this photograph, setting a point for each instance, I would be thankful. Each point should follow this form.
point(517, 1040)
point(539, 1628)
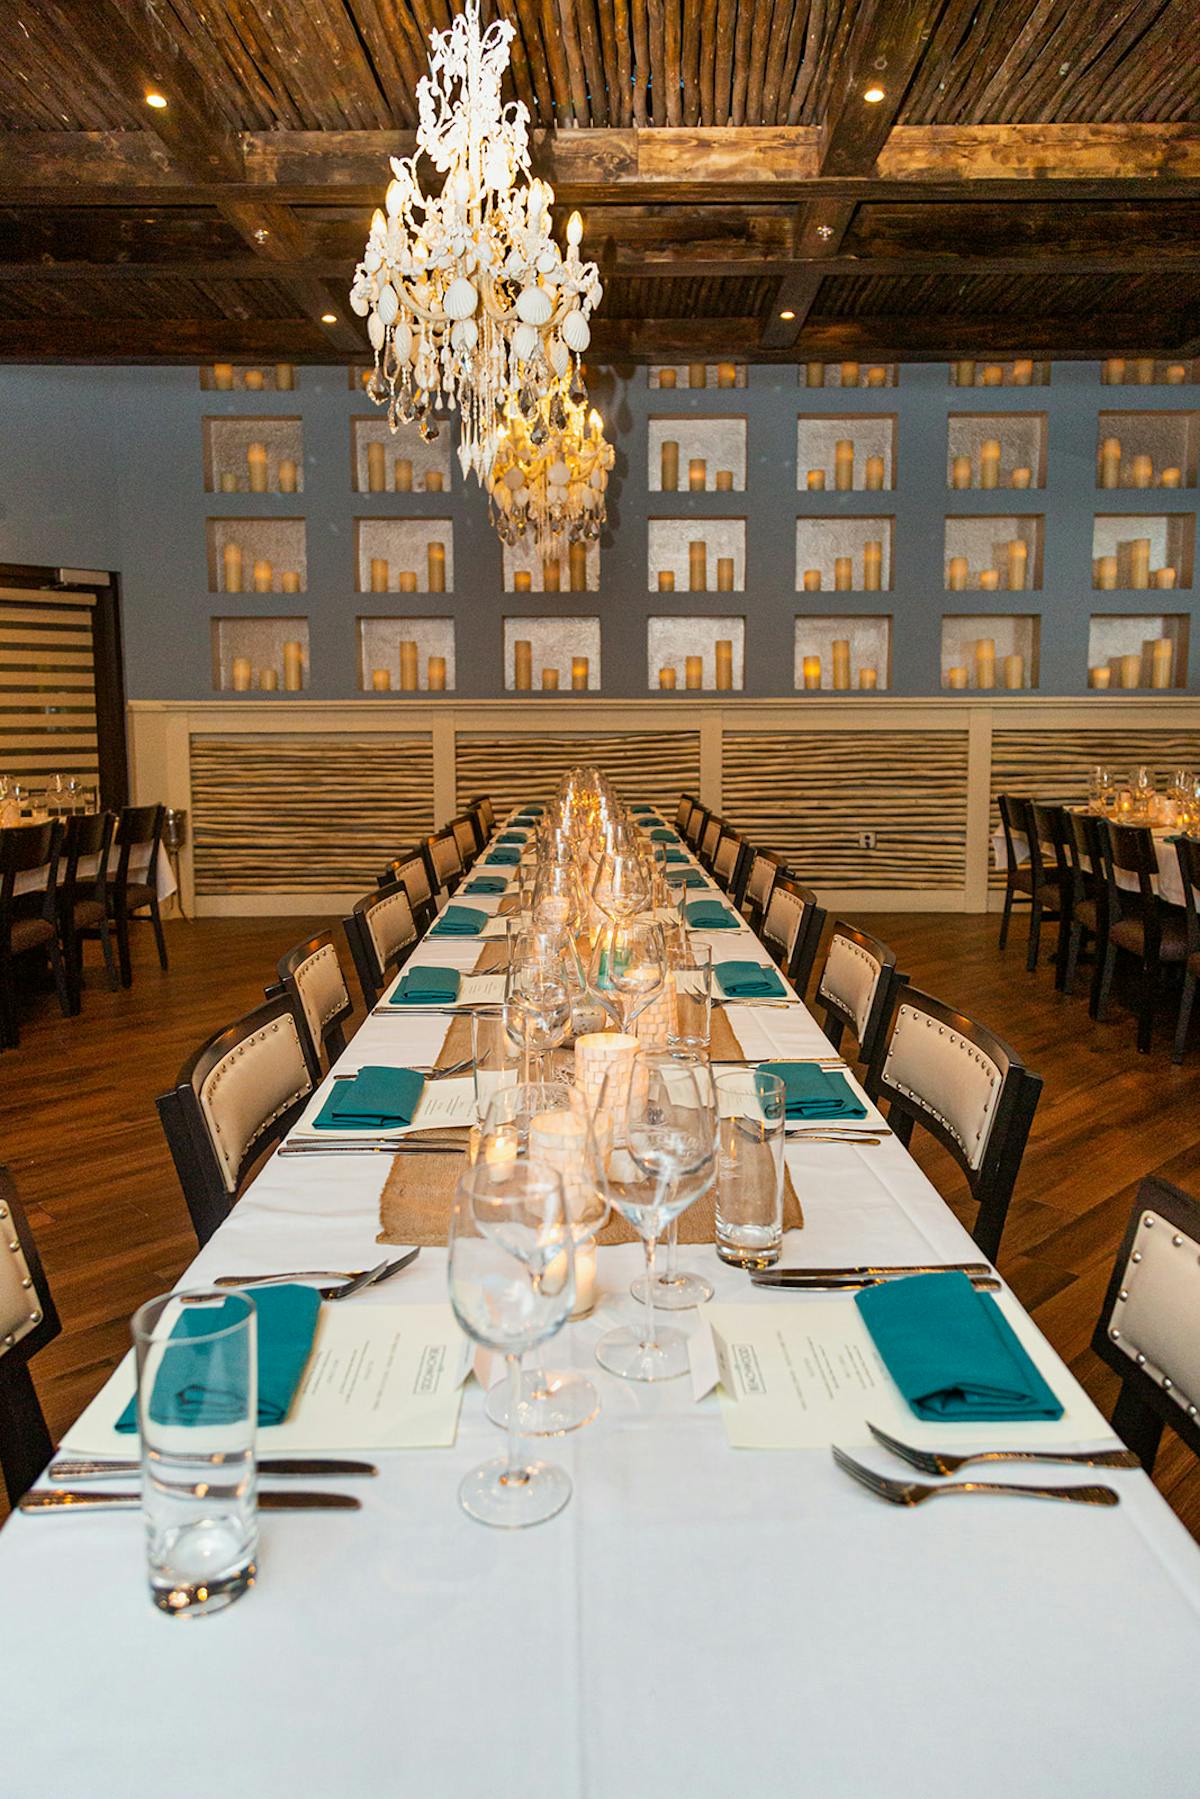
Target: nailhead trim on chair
point(11, 1338)
point(1178, 1241)
point(382, 914)
point(308, 968)
point(213, 1081)
point(858, 953)
point(974, 1153)
point(782, 901)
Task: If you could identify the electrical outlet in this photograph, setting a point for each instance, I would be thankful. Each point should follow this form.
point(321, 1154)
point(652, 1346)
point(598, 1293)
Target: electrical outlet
point(868, 840)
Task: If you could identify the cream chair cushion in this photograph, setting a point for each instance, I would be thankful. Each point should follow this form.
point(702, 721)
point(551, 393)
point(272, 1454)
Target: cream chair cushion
point(20, 1307)
point(1156, 1319)
point(785, 915)
point(321, 988)
point(851, 976)
point(725, 857)
point(464, 837)
point(390, 923)
point(415, 876)
point(761, 879)
point(946, 1074)
point(708, 841)
point(248, 1089)
point(446, 859)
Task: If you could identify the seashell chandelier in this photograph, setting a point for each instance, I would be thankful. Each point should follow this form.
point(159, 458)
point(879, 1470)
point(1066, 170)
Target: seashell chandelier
point(549, 477)
point(469, 301)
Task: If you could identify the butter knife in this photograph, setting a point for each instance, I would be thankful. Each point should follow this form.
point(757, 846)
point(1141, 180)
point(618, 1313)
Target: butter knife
point(981, 1283)
point(786, 1277)
point(72, 1499)
point(313, 1466)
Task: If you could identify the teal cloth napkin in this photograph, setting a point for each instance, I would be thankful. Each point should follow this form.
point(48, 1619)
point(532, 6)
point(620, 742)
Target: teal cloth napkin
point(952, 1352)
point(661, 834)
point(519, 837)
point(459, 921)
point(675, 854)
point(287, 1318)
point(689, 877)
point(642, 810)
point(811, 1093)
point(426, 987)
point(504, 857)
point(710, 915)
point(533, 811)
point(487, 884)
point(378, 1098)
point(745, 980)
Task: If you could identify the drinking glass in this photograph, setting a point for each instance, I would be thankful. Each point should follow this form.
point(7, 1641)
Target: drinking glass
point(511, 1270)
point(659, 1158)
point(752, 1123)
point(689, 979)
point(537, 992)
point(495, 1055)
point(558, 902)
point(197, 1406)
point(621, 886)
point(627, 970)
point(56, 794)
point(1099, 784)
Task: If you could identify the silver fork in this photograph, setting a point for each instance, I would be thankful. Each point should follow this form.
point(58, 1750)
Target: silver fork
point(912, 1492)
point(932, 1461)
point(430, 1073)
point(353, 1283)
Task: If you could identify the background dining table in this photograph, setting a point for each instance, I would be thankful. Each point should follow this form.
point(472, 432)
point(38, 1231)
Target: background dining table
point(698, 1621)
point(1169, 878)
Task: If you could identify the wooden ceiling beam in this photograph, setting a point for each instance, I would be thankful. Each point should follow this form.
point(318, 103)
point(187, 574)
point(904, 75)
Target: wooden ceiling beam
point(164, 340)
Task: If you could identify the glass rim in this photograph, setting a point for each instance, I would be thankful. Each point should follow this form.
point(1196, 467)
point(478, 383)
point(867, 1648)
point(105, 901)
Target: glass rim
point(749, 1074)
point(142, 1334)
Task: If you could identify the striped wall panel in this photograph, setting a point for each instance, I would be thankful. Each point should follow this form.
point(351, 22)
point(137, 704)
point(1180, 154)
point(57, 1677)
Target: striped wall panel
point(809, 794)
point(652, 765)
point(1053, 766)
point(47, 686)
point(305, 814)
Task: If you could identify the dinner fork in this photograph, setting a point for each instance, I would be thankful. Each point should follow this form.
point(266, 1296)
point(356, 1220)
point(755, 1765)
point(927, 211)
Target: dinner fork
point(913, 1492)
point(933, 1461)
point(351, 1284)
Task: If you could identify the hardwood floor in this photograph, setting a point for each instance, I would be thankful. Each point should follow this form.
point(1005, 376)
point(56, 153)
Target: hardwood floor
point(79, 1131)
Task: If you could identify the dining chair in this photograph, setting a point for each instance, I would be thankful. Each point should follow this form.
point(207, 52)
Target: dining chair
point(444, 860)
point(791, 929)
point(709, 839)
point(727, 858)
point(475, 813)
point(1016, 821)
point(1089, 900)
point(693, 831)
point(464, 836)
point(382, 934)
point(232, 1101)
point(683, 810)
point(969, 1090)
point(1051, 871)
point(28, 1321)
point(312, 974)
point(1188, 851)
point(83, 898)
point(1139, 924)
point(1147, 1329)
point(138, 828)
point(412, 866)
point(857, 990)
point(487, 812)
point(762, 870)
point(28, 921)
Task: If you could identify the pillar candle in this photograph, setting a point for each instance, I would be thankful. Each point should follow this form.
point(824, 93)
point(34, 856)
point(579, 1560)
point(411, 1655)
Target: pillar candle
point(1164, 577)
point(435, 556)
point(698, 566)
point(1014, 672)
point(402, 474)
point(724, 480)
point(872, 565)
point(381, 680)
point(379, 574)
point(960, 472)
point(1106, 572)
point(1114, 371)
point(666, 377)
point(697, 474)
point(268, 680)
point(256, 462)
point(1142, 472)
point(993, 375)
point(522, 581)
point(812, 580)
point(228, 482)
point(289, 580)
point(724, 662)
point(956, 574)
point(1139, 562)
point(989, 580)
point(666, 676)
point(579, 674)
point(956, 677)
point(409, 681)
point(223, 376)
point(1143, 371)
point(985, 662)
point(811, 673)
point(1176, 373)
point(436, 675)
point(843, 574)
point(1100, 677)
point(293, 666)
point(989, 462)
point(285, 377)
point(1131, 671)
point(843, 464)
point(1171, 477)
point(726, 374)
point(240, 672)
point(376, 467)
point(724, 574)
point(1021, 477)
point(264, 575)
point(964, 374)
point(669, 459)
point(549, 679)
point(666, 580)
point(1162, 662)
point(868, 679)
point(1110, 462)
point(407, 580)
point(874, 474)
point(253, 379)
point(849, 374)
point(814, 374)
point(876, 377)
point(1022, 372)
point(697, 374)
point(287, 475)
point(841, 663)
point(522, 664)
point(551, 575)
point(815, 480)
point(577, 567)
point(693, 671)
point(1018, 565)
point(433, 480)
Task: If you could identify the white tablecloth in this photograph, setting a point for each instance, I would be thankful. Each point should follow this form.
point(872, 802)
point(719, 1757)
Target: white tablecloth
point(139, 858)
point(699, 1622)
point(1169, 883)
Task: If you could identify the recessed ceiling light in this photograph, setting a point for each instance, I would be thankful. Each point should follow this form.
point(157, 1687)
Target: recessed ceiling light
point(155, 99)
point(329, 318)
point(873, 96)
point(788, 314)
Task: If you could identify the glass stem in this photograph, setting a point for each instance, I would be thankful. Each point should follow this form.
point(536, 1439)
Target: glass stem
point(669, 1272)
point(514, 1474)
point(649, 1341)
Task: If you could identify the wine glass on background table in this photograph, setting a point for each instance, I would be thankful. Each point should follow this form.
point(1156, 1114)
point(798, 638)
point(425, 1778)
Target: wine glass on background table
point(538, 996)
point(675, 1290)
point(627, 971)
point(511, 1272)
point(621, 886)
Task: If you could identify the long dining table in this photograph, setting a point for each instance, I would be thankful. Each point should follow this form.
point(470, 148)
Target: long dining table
point(698, 1621)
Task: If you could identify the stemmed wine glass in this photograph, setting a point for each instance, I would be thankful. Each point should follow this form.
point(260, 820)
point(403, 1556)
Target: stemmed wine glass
point(676, 1290)
point(538, 995)
point(659, 1158)
point(511, 1268)
point(627, 970)
point(621, 886)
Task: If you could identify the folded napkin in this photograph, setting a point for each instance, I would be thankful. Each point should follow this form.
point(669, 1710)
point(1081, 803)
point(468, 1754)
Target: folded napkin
point(286, 1318)
point(487, 884)
point(811, 1093)
point(426, 987)
point(952, 1352)
point(661, 834)
point(459, 921)
point(507, 856)
point(519, 837)
point(532, 811)
point(675, 854)
point(710, 915)
point(749, 980)
point(378, 1098)
point(689, 877)
point(652, 810)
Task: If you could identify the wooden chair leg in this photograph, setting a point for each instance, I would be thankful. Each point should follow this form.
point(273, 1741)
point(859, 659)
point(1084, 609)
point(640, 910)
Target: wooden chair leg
point(61, 984)
point(1006, 915)
point(1185, 1017)
point(160, 940)
point(1065, 928)
point(1074, 944)
point(121, 924)
point(1146, 999)
point(9, 1034)
point(1035, 935)
point(1102, 981)
point(1138, 1427)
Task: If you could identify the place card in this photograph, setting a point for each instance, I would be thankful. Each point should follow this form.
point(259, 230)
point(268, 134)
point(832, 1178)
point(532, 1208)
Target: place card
point(444, 1104)
point(473, 990)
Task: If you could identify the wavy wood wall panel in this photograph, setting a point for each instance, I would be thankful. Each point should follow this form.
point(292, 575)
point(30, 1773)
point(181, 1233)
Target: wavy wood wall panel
point(652, 765)
point(305, 814)
point(1053, 766)
point(809, 794)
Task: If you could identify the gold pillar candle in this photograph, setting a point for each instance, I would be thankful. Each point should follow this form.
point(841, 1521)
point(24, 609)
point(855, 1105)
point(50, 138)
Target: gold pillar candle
point(666, 377)
point(1114, 372)
point(1100, 676)
point(724, 480)
point(264, 575)
point(285, 377)
point(964, 374)
point(693, 671)
point(1139, 562)
point(666, 676)
point(256, 463)
point(726, 374)
point(1130, 671)
point(228, 482)
point(293, 666)
point(724, 574)
point(1021, 477)
point(222, 376)
point(698, 566)
point(1162, 661)
point(522, 581)
point(1171, 477)
point(435, 556)
point(433, 481)
point(669, 465)
point(240, 674)
point(993, 375)
point(849, 374)
point(956, 677)
point(287, 475)
point(697, 374)
point(697, 475)
point(289, 580)
point(815, 480)
point(814, 374)
point(666, 580)
point(1141, 472)
point(1176, 374)
point(551, 575)
point(810, 673)
point(843, 574)
point(1110, 462)
point(812, 580)
point(989, 462)
point(268, 680)
point(376, 467)
point(381, 680)
point(1143, 371)
point(876, 377)
point(1106, 572)
point(402, 472)
point(873, 474)
point(1018, 565)
point(840, 651)
point(989, 580)
point(549, 679)
point(522, 664)
point(379, 574)
point(1164, 577)
point(409, 680)
point(872, 565)
point(577, 567)
point(957, 574)
point(579, 674)
point(1014, 672)
point(253, 380)
point(985, 663)
point(868, 679)
point(407, 580)
point(843, 464)
point(723, 652)
point(436, 674)
point(1022, 372)
point(960, 472)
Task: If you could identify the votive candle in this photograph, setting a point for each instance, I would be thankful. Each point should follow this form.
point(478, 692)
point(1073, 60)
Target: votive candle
point(697, 474)
point(1110, 462)
point(960, 472)
point(698, 566)
point(989, 462)
point(436, 674)
point(579, 674)
point(241, 674)
point(551, 575)
point(1139, 562)
point(1164, 577)
point(843, 464)
point(1101, 676)
point(873, 474)
point(256, 463)
point(522, 664)
point(381, 680)
point(812, 580)
point(724, 480)
point(577, 567)
point(666, 580)
point(231, 562)
point(408, 666)
point(293, 666)
point(841, 663)
point(1018, 564)
point(223, 376)
point(669, 465)
point(724, 664)
point(985, 663)
point(815, 480)
point(1106, 572)
point(872, 565)
point(522, 581)
point(376, 466)
point(957, 574)
point(843, 574)
point(407, 580)
point(868, 679)
point(1131, 671)
point(666, 675)
point(289, 580)
point(264, 575)
point(433, 481)
point(288, 475)
point(814, 374)
point(435, 556)
point(549, 679)
point(666, 377)
point(1142, 471)
point(693, 672)
point(1014, 672)
point(956, 677)
point(268, 680)
point(810, 670)
point(724, 574)
point(402, 474)
point(379, 574)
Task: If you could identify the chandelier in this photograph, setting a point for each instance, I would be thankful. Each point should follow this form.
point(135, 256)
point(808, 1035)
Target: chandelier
point(469, 301)
point(549, 476)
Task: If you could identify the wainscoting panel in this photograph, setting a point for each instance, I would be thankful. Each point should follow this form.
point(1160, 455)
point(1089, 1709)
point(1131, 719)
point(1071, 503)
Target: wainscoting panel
point(275, 814)
point(809, 794)
point(651, 765)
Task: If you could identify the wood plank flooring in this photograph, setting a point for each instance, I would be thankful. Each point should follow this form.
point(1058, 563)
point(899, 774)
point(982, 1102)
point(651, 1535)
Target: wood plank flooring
point(79, 1131)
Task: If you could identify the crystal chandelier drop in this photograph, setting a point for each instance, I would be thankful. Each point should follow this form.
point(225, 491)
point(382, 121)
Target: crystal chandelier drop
point(468, 299)
point(549, 477)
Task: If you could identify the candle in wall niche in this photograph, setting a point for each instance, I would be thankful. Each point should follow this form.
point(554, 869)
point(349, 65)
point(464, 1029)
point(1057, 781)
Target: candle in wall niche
point(436, 674)
point(697, 474)
point(240, 674)
point(408, 665)
point(407, 580)
point(724, 574)
point(222, 376)
point(724, 479)
point(1139, 562)
point(579, 674)
point(960, 472)
point(840, 652)
point(989, 580)
point(697, 374)
point(1164, 577)
point(1106, 572)
point(989, 462)
point(435, 556)
point(522, 581)
point(814, 374)
point(667, 377)
point(669, 465)
point(522, 664)
point(287, 474)
point(1130, 668)
point(1176, 374)
point(293, 666)
point(723, 652)
point(268, 680)
point(577, 567)
point(256, 462)
point(402, 474)
point(1018, 565)
point(849, 374)
point(985, 663)
point(1022, 372)
point(666, 676)
point(1171, 477)
point(1143, 371)
point(1014, 672)
point(873, 474)
point(1114, 371)
point(876, 377)
point(376, 466)
point(229, 482)
point(253, 380)
point(433, 481)
point(810, 673)
point(872, 565)
point(1162, 661)
point(956, 677)
point(1021, 477)
point(289, 580)
point(1110, 462)
point(815, 480)
point(993, 375)
point(698, 566)
point(726, 374)
point(285, 377)
point(1100, 676)
point(381, 680)
point(379, 574)
point(964, 374)
point(843, 464)
point(551, 575)
point(666, 580)
point(868, 679)
point(693, 671)
point(957, 574)
point(812, 580)
point(843, 574)
point(1142, 472)
point(264, 575)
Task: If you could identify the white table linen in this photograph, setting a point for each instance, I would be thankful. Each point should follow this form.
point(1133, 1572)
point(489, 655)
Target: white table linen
point(1169, 880)
point(139, 859)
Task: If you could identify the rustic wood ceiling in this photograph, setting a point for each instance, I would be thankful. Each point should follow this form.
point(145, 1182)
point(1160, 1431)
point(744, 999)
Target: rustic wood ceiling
point(1029, 182)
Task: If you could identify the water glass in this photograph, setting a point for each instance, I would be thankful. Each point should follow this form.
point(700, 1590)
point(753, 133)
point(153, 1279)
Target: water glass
point(197, 1404)
point(753, 1118)
point(495, 1056)
point(690, 983)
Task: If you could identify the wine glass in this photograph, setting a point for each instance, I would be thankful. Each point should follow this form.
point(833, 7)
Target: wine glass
point(658, 1159)
point(558, 903)
point(549, 1123)
point(511, 1271)
point(627, 969)
point(1099, 785)
point(674, 1289)
point(621, 886)
point(1141, 780)
point(538, 995)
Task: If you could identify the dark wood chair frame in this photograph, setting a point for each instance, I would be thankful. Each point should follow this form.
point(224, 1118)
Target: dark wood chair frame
point(683, 811)
point(729, 834)
point(333, 1035)
point(487, 813)
point(797, 965)
point(24, 848)
point(85, 834)
point(425, 911)
point(711, 818)
point(25, 1442)
point(468, 856)
point(372, 977)
point(452, 882)
point(1188, 851)
point(993, 1181)
point(1053, 886)
point(136, 825)
point(693, 831)
point(757, 912)
point(1024, 881)
point(1085, 853)
point(838, 1018)
point(1130, 849)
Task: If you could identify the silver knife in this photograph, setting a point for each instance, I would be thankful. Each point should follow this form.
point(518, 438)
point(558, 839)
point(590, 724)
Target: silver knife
point(981, 1284)
point(784, 1277)
point(72, 1499)
point(371, 1148)
point(314, 1466)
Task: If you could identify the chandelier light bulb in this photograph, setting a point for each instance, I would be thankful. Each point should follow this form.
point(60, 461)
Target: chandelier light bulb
point(574, 230)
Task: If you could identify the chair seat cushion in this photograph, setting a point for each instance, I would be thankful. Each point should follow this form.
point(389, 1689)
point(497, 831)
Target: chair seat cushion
point(1021, 879)
point(1087, 915)
point(87, 913)
point(137, 893)
point(1128, 934)
point(28, 933)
